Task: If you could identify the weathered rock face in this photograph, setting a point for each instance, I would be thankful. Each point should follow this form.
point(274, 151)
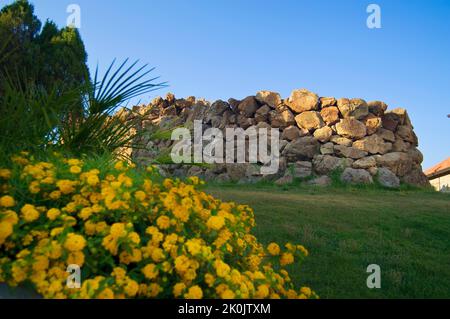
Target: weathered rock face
point(356, 108)
point(292, 132)
point(351, 128)
point(281, 118)
point(326, 164)
point(302, 169)
point(356, 176)
point(304, 148)
point(372, 122)
point(330, 115)
point(387, 178)
point(269, 98)
point(365, 163)
point(327, 101)
point(373, 144)
point(248, 106)
point(309, 120)
point(323, 134)
point(377, 107)
point(398, 162)
point(303, 100)
point(349, 152)
point(318, 135)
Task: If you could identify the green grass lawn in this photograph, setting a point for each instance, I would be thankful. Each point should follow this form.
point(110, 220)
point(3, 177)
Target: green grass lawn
point(406, 232)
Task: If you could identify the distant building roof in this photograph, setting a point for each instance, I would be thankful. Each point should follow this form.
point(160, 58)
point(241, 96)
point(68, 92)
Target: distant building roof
point(439, 168)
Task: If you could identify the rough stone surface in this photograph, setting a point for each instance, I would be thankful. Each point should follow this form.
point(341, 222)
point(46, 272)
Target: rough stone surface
point(245, 122)
point(401, 146)
point(323, 134)
point(356, 108)
point(356, 176)
point(303, 148)
point(377, 107)
point(416, 156)
point(349, 152)
point(303, 100)
point(234, 104)
point(336, 139)
point(373, 144)
point(248, 106)
point(281, 119)
point(373, 171)
point(398, 162)
point(236, 172)
point(317, 136)
point(416, 177)
point(330, 115)
point(372, 122)
point(269, 98)
point(406, 133)
point(262, 114)
point(402, 115)
point(302, 169)
point(365, 163)
point(291, 133)
point(285, 180)
point(321, 181)
point(327, 149)
point(390, 121)
point(309, 120)
point(387, 179)
point(327, 101)
point(325, 164)
point(386, 135)
point(351, 128)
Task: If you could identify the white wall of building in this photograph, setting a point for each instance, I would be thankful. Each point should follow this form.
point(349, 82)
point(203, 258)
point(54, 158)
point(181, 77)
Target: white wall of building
point(441, 183)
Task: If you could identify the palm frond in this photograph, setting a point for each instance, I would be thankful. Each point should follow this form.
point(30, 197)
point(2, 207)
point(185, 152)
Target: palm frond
point(120, 85)
point(99, 131)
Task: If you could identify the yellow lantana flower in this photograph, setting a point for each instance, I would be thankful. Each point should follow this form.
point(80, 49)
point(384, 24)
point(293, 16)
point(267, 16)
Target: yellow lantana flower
point(29, 213)
point(7, 201)
point(194, 292)
point(74, 242)
point(150, 271)
point(215, 222)
point(286, 259)
point(75, 169)
point(273, 249)
point(53, 213)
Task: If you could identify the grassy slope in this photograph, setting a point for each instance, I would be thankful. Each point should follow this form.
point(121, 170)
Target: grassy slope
point(407, 233)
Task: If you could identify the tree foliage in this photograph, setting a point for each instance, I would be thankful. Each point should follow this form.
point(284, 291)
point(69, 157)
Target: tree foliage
point(44, 56)
point(47, 99)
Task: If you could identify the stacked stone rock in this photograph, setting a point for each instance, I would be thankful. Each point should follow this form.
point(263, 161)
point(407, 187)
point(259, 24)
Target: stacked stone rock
point(319, 135)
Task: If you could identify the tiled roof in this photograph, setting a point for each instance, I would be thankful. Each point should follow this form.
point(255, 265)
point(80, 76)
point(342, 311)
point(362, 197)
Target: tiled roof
point(439, 167)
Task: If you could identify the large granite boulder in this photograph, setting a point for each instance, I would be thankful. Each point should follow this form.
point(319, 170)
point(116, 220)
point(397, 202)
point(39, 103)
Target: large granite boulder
point(269, 98)
point(356, 176)
point(356, 108)
point(303, 100)
point(351, 128)
point(309, 120)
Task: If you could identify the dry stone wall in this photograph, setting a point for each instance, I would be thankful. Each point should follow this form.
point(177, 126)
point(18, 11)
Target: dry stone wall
point(319, 135)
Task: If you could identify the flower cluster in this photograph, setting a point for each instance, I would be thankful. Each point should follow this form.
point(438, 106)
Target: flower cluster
point(134, 235)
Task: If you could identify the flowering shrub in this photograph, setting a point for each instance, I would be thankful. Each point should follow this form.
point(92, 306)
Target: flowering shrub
point(132, 236)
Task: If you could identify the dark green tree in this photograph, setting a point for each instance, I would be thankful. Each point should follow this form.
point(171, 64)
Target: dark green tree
point(47, 98)
point(47, 58)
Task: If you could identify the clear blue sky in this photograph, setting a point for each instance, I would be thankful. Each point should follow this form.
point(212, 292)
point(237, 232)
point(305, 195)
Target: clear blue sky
point(233, 48)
